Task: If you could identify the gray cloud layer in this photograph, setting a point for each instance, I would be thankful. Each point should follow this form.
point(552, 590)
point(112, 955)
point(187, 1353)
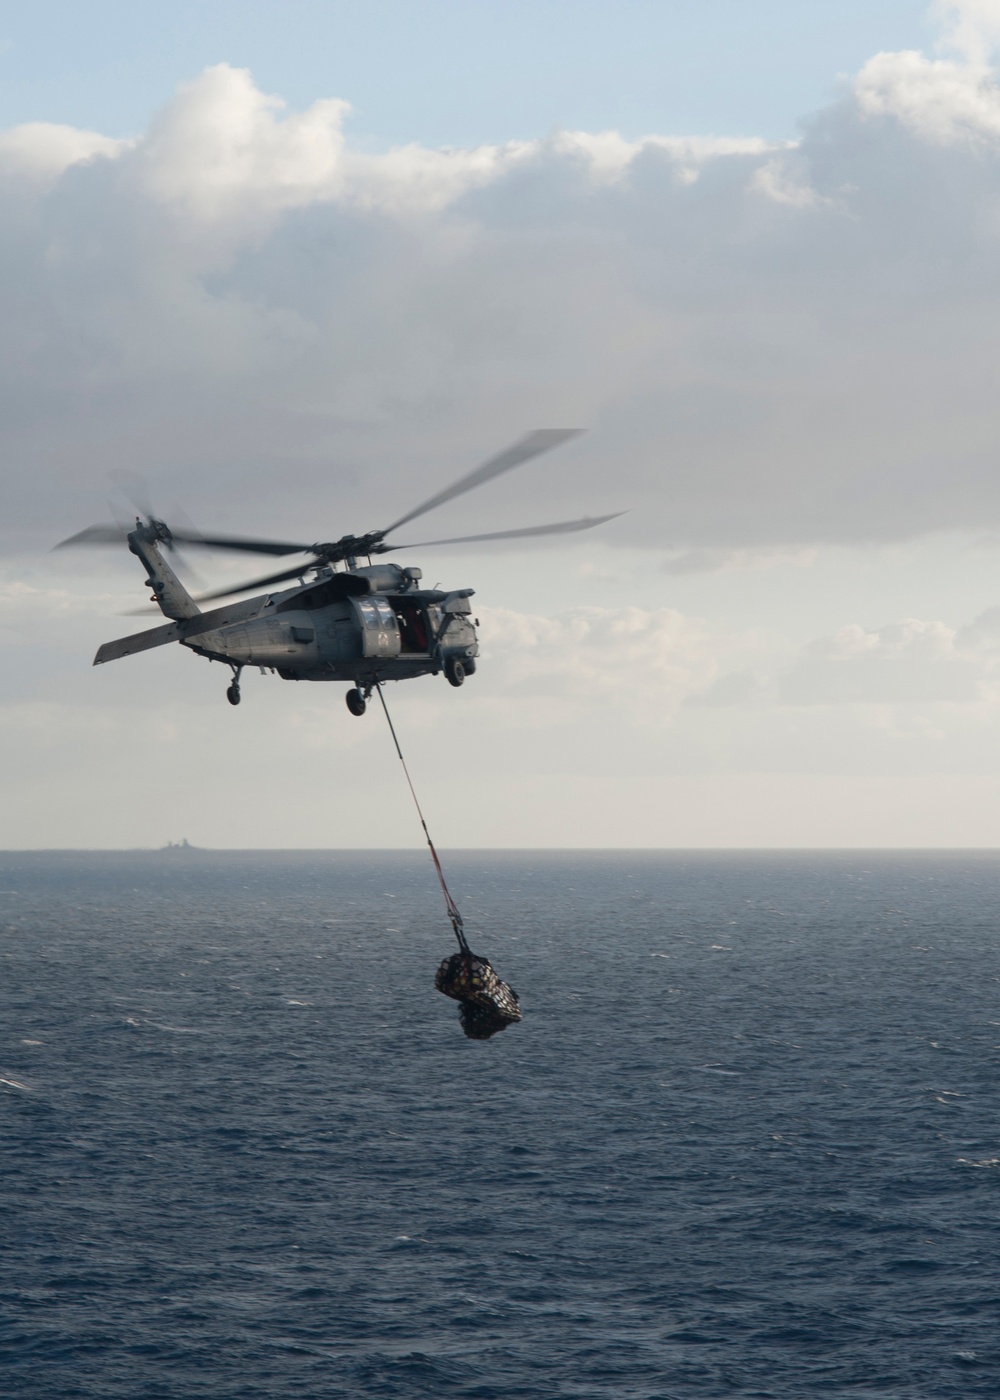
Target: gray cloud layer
point(775, 346)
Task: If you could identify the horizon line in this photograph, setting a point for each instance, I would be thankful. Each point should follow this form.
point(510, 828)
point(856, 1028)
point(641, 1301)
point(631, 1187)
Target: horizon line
point(182, 849)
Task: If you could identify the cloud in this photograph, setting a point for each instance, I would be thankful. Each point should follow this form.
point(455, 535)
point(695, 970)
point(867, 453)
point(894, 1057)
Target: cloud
point(947, 100)
point(943, 101)
point(42, 151)
point(586, 656)
point(699, 561)
point(776, 345)
point(774, 180)
point(911, 663)
point(223, 148)
point(970, 26)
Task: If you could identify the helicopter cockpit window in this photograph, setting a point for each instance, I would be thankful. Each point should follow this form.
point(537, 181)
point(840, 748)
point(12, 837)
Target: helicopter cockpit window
point(380, 633)
point(376, 615)
point(386, 616)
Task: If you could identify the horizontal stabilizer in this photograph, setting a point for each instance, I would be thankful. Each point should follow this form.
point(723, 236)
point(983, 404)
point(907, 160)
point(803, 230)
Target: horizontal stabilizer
point(139, 641)
point(177, 631)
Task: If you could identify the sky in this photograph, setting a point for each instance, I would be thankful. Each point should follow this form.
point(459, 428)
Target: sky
point(300, 265)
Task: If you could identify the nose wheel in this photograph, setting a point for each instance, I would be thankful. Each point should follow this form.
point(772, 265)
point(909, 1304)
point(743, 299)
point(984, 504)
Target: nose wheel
point(233, 691)
point(356, 702)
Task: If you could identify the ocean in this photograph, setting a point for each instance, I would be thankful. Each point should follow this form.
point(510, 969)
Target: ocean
point(745, 1143)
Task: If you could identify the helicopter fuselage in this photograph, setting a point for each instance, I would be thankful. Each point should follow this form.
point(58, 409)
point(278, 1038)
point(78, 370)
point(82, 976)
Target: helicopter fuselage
point(367, 625)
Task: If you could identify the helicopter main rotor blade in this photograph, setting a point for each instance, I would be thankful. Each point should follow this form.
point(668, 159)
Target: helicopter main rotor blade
point(117, 534)
point(541, 440)
point(241, 542)
point(96, 534)
point(297, 572)
point(135, 488)
point(565, 527)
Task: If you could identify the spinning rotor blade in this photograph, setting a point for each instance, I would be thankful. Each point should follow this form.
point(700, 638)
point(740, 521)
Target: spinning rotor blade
point(96, 534)
point(565, 527)
point(249, 546)
point(116, 534)
point(135, 488)
point(297, 572)
point(542, 440)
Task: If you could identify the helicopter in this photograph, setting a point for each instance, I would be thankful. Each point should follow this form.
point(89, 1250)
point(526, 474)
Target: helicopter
point(361, 623)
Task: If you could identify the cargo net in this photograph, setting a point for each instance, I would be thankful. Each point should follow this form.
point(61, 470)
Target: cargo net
point(486, 1005)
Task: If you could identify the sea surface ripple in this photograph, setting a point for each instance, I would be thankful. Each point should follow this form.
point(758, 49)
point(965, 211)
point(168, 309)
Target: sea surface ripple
point(746, 1142)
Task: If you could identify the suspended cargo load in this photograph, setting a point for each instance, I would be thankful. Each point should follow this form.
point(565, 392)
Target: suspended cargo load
point(487, 1004)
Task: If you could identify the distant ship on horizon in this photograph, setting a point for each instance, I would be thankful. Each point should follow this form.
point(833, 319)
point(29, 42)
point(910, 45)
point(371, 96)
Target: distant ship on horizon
point(183, 845)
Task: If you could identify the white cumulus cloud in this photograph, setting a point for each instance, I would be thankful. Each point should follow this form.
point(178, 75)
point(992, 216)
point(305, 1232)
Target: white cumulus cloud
point(586, 655)
point(42, 151)
point(942, 100)
point(775, 346)
point(970, 26)
point(910, 663)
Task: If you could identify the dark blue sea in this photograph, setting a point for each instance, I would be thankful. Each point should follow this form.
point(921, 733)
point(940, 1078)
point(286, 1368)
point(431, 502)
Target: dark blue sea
point(745, 1143)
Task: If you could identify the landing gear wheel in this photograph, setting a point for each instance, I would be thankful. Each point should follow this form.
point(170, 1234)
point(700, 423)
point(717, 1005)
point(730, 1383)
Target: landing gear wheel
point(355, 702)
point(233, 693)
point(454, 670)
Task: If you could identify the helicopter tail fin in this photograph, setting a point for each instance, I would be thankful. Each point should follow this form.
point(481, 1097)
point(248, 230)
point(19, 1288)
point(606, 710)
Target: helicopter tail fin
point(169, 593)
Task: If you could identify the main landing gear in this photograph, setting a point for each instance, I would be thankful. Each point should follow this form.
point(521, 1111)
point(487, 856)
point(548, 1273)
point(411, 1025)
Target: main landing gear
point(233, 692)
point(455, 670)
point(357, 700)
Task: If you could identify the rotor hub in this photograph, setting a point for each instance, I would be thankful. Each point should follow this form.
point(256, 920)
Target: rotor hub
point(350, 546)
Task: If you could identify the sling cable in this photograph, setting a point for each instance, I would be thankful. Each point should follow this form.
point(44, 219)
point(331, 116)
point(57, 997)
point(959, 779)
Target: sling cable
point(486, 1004)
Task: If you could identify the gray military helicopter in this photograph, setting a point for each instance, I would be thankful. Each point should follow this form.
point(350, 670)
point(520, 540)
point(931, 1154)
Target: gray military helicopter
point(362, 624)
